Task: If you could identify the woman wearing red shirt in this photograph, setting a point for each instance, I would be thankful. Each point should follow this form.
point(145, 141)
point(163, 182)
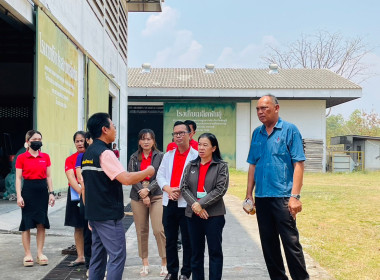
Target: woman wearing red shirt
point(146, 200)
point(204, 183)
point(35, 195)
point(73, 216)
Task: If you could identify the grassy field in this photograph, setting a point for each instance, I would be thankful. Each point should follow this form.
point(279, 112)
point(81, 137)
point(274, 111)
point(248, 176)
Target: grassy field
point(340, 221)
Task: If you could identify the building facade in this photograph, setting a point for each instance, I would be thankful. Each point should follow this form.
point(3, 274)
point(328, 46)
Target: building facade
point(60, 62)
point(223, 101)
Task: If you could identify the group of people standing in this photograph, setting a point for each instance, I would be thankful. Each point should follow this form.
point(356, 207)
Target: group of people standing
point(181, 190)
point(181, 186)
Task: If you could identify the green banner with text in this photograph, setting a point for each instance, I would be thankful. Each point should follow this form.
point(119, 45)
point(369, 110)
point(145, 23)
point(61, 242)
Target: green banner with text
point(98, 90)
point(217, 118)
point(56, 94)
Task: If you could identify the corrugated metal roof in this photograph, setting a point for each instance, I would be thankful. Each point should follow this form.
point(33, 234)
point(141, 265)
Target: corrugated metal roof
point(231, 78)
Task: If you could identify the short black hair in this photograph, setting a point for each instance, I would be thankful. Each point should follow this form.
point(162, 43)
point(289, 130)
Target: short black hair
point(96, 122)
point(80, 132)
point(182, 123)
point(87, 137)
point(190, 122)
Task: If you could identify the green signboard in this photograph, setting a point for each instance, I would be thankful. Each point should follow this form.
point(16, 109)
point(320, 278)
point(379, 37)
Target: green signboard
point(98, 89)
point(56, 94)
point(217, 118)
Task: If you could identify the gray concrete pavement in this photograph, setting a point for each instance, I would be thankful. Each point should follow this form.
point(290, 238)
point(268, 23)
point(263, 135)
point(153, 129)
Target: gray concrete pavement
point(243, 257)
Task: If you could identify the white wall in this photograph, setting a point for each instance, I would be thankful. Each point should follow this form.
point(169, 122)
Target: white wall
point(372, 155)
point(308, 115)
point(21, 9)
point(243, 134)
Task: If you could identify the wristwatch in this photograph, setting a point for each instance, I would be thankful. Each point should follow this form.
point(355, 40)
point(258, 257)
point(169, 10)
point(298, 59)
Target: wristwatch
point(296, 196)
point(53, 193)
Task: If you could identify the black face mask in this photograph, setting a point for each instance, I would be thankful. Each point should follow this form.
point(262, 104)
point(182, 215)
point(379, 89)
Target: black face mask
point(36, 145)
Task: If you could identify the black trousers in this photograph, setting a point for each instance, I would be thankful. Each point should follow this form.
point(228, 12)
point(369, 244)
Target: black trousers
point(87, 236)
point(212, 229)
point(275, 220)
point(173, 219)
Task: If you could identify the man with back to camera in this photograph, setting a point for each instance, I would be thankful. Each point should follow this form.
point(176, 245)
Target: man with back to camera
point(104, 175)
point(276, 165)
point(194, 144)
point(169, 177)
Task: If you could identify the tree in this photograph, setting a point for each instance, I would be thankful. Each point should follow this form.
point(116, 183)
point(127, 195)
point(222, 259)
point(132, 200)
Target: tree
point(359, 123)
point(343, 56)
point(362, 123)
point(334, 127)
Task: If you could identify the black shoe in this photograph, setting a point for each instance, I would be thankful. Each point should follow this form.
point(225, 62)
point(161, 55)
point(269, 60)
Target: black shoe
point(179, 248)
point(72, 250)
point(183, 277)
point(169, 277)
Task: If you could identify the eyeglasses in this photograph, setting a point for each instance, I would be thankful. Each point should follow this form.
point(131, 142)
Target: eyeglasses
point(179, 134)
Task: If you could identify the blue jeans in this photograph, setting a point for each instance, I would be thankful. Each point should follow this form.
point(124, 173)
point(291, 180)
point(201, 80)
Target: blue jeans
point(108, 238)
point(199, 230)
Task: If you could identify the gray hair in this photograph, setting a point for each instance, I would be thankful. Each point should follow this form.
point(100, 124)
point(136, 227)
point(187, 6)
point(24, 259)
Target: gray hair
point(273, 98)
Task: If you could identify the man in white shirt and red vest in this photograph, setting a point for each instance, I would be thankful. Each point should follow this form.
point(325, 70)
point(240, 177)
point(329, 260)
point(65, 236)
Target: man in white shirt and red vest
point(169, 177)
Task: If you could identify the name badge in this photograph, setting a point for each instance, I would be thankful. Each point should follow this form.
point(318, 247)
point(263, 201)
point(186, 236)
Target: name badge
point(201, 194)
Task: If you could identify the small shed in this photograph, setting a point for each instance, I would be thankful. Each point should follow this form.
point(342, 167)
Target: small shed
point(363, 150)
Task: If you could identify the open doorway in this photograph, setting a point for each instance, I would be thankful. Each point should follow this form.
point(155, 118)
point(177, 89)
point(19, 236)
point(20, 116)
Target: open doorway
point(142, 116)
point(16, 88)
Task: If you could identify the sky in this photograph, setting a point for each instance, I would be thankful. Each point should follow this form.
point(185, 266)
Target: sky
point(236, 34)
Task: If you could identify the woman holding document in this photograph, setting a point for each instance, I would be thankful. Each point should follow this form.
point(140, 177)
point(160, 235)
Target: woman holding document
point(73, 217)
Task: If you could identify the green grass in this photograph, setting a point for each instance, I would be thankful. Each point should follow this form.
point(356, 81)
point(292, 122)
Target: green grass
point(340, 221)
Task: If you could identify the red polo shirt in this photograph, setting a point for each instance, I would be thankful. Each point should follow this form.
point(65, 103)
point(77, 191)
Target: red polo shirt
point(145, 162)
point(33, 167)
point(202, 175)
point(116, 153)
point(173, 145)
point(70, 163)
point(178, 165)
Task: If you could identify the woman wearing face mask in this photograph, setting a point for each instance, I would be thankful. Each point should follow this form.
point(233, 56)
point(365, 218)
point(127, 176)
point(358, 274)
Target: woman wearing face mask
point(204, 183)
point(35, 195)
point(146, 200)
point(73, 216)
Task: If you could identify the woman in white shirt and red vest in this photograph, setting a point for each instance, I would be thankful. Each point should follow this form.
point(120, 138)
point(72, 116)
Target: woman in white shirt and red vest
point(204, 183)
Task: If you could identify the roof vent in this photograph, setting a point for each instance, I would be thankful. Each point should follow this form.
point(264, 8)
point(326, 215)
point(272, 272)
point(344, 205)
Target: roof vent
point(273, 68)
point(210, 68)
point(145, 68)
